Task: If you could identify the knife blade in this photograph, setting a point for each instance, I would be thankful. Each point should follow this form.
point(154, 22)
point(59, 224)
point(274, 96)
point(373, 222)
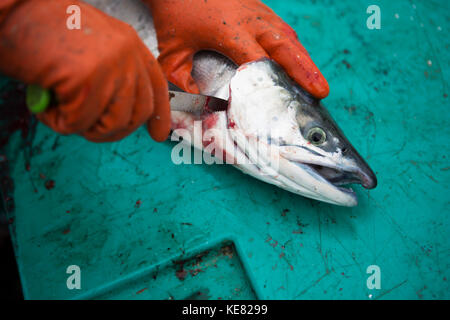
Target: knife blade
point(195, 103)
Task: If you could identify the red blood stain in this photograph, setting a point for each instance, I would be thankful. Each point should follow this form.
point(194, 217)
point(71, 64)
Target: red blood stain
point(209, 121)
point(140, 291)
point(195, 271)
point(178, 125)
point(66, 231)
point(50, 184)
point(181, 274)
point(138, 204)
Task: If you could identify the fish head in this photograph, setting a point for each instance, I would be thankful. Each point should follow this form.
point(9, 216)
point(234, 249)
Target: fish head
point(315, 158)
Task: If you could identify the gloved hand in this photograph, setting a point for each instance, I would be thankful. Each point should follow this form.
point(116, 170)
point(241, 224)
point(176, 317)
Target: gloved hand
point(243, 30)
point(105, 80)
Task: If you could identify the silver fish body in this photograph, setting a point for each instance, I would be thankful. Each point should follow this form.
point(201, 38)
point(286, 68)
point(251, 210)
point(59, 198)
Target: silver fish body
point(273, 130)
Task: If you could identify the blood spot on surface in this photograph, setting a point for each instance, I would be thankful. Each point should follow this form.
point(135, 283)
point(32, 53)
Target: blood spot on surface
point(138, 204)
point(66, 231)
point(227, 251)
point(347, 64)
point(181, 274)
point(209, 121)
point(140, 291)
point(50, 184)
point(195, 272)
point(231, 124)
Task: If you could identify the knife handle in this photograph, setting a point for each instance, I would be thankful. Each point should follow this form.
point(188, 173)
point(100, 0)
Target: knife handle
point(37, 98)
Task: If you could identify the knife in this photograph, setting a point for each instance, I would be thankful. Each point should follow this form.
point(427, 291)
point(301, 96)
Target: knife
point(194, 103)
point(38, 99)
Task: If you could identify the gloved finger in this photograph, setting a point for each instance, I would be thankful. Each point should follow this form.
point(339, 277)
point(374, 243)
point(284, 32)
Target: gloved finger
point(138, 104)
point(159, 123)
point(295, 61)
point(242, 49)
point(117, 114)
point(79, 102)
point(177, 66)
point(75, 114)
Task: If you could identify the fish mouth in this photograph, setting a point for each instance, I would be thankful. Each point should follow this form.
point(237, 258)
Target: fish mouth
point(323, 180)
point(340, 177)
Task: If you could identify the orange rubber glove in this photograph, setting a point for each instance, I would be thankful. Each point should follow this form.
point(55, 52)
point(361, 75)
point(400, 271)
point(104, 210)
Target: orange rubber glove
point(105, 80)
point(243, 30)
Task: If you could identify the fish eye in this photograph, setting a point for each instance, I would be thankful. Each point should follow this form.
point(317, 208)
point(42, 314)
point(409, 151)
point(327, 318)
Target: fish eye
point(316, 136)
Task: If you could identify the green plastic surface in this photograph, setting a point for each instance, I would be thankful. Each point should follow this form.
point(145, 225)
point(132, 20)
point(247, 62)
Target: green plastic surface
point(126, 215)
